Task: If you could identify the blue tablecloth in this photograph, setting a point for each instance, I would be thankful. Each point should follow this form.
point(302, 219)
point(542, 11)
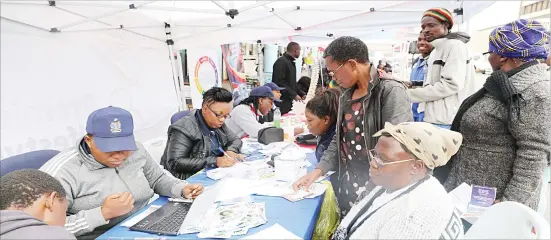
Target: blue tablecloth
point(298, 217)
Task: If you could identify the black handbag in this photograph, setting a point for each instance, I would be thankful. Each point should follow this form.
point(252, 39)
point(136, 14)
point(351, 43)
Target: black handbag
point(269, 135)
point(307, 139)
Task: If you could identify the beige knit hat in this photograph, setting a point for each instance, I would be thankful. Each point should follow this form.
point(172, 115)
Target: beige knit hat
point(433, 145)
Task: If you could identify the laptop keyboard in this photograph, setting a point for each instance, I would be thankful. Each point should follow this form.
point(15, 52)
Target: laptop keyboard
point(173, 221)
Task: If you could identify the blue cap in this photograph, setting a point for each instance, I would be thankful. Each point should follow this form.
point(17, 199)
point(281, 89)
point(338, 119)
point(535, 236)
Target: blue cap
point(274, 86)
point(263, 91)
point(113, 129)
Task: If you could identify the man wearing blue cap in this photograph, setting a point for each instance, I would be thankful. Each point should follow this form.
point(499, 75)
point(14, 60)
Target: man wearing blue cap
point(276, 90)
point(109, 176)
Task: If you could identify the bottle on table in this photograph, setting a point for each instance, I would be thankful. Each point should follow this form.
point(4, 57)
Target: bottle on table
point(277, 118)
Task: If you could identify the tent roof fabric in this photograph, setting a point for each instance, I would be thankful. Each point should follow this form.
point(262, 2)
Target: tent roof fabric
point(218, 22)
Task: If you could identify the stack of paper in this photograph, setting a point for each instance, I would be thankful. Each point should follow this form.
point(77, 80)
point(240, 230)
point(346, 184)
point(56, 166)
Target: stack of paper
point(233, 220)
point(284, 189)
point(247, 170)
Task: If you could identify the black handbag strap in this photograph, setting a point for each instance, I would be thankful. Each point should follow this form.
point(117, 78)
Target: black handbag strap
point(350, 230)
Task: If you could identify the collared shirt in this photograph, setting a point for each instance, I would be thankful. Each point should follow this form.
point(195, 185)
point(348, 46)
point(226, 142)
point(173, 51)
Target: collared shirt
point(207, 131)
point(418, 75)
point(324, 141)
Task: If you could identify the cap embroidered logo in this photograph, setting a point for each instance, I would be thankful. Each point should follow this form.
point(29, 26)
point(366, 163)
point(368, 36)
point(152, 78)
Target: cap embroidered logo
point(116, 126)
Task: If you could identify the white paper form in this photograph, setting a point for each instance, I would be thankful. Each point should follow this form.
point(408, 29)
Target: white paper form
point(274, 232)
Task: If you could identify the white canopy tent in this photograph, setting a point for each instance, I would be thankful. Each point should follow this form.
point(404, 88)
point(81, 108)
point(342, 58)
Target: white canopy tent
point(60, 60)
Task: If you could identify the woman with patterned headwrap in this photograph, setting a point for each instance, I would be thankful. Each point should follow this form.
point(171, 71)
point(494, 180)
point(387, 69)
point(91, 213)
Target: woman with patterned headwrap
point(403, 200)
point(507, 124)
point(450, 76)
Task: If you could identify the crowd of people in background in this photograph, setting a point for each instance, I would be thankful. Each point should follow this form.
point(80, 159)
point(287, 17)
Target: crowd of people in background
point(397, 146)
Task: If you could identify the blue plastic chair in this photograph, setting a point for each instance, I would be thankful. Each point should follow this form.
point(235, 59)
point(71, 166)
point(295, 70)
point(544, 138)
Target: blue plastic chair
point(179, 115)
point(32, 160)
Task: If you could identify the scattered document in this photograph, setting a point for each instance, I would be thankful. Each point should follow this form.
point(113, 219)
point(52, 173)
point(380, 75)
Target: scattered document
point(233, 220)
point(273, 188)
point(131, 222)
point(316, 189)
point(274, 232)
point(233, 188)
point(461, 196)
point(285, 190)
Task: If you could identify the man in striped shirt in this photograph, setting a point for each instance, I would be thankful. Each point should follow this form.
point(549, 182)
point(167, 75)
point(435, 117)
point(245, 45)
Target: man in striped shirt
point(108, 176)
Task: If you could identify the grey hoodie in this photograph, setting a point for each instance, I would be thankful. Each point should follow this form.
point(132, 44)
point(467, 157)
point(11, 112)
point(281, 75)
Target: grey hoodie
point(19, 225)
point(89, 182)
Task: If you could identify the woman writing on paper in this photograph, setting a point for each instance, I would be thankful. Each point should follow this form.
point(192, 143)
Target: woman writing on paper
point(321, 118)
point(245, 118)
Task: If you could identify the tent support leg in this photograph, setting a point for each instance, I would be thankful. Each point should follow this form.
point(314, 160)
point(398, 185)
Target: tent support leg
point(178, 86)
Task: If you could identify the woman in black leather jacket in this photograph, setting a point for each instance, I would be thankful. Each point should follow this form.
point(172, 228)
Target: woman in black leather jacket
point(200, 139)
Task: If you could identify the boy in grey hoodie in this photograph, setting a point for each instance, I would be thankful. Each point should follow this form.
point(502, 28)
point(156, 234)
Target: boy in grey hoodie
point(33, 206)
point(108, 176)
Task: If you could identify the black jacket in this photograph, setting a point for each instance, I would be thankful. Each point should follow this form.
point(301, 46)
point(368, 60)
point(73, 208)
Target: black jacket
point(285, 75)
point(188, 149)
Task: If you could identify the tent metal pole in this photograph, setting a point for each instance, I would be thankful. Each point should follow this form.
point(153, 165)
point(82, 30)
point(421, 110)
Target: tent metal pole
point(222, 28)
point(220, 5)
point(351, 16)
point(259, 4)
point(282, 19)
point(178, 85)
point(25, 24)
point(95, 18)
point(178, 9)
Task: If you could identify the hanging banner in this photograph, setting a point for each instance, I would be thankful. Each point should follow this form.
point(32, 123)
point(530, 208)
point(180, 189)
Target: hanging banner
point(233, 60)
point(204, 71)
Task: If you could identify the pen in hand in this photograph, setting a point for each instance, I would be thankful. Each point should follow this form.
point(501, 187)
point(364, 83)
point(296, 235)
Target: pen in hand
point(228, 156)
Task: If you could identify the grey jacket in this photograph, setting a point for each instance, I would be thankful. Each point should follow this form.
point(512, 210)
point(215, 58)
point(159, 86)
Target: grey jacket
point(19, 225)
point(386, 101)
point(244, 121)
point(88, 182)
point(512, 159)
point(188, 149)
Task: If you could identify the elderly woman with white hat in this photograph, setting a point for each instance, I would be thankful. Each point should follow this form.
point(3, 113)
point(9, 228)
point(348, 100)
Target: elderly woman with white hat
point(403, 200)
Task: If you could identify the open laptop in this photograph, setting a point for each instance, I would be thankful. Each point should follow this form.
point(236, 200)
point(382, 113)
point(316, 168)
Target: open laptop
point(173, 217)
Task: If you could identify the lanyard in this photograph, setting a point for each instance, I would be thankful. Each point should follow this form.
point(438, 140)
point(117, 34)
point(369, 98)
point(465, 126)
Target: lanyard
point(255, 112)
point(351, 230)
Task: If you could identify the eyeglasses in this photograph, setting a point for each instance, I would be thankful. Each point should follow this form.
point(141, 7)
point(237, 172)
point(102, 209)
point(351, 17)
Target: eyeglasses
point(332, 73)
point(219, 116)
point(380, 162)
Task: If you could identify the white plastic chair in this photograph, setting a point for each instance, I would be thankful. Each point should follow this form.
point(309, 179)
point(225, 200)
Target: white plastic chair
point(156, 147)
point(509, 220)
